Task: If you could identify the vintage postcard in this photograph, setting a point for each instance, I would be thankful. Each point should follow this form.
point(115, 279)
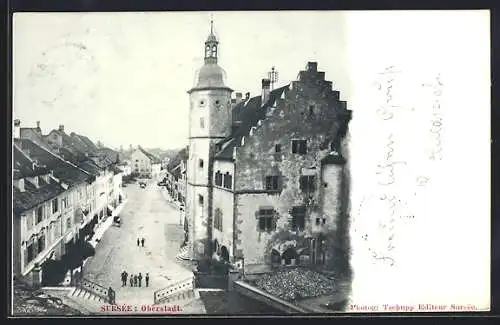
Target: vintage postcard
point(250, 163)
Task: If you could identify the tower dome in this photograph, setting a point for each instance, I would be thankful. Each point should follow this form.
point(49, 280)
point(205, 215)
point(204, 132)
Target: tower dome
point(210, 75)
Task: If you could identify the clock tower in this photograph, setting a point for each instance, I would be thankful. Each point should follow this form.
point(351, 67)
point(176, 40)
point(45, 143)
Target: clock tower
point(210, 119)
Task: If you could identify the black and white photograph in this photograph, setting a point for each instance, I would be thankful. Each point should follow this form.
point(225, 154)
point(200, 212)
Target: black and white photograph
point(250, 162)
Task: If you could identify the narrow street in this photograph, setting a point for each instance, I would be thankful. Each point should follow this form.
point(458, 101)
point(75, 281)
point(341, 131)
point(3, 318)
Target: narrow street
point(148, 215)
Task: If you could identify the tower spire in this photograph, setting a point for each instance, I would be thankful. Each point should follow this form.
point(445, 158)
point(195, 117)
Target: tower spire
point(211, 24)
point(211, 45)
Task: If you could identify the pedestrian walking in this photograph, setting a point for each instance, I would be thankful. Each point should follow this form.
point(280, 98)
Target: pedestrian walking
point(111, 296)
point(135, 280)
point(138, 242)
point(131, 280)
point(147, 279)
point(124, 278)
point(142, 241)
point(140, 279)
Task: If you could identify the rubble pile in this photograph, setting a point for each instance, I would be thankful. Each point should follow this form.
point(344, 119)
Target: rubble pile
point(27, 301)
point(296, 284)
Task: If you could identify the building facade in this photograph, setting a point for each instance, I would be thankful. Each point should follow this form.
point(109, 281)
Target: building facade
point(145, 164)
point(266, 177)
point(63, 187)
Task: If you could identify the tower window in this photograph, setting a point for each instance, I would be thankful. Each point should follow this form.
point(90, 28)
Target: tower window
point(299, 147)
point(272, 183)
point(307, 183)
point(200, 162)
point(202, 122)
point(217, 102)
point(200, 199)
point(202, 103)
point(228, 180)
point(218, 178)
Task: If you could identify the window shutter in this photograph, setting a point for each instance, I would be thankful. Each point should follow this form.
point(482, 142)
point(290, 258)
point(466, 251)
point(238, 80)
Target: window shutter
point(262, 223)
point(26, 255)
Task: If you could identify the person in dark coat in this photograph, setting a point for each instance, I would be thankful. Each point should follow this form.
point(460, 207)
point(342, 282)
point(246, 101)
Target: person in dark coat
point(124, 278)
point(142, 241)
point(138, 242)
point(135, 280)
point(131, 280)
point(140, 279)
point(147, 279)
point(111, 296)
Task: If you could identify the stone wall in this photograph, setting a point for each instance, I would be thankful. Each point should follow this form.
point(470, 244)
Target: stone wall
point(309, 110)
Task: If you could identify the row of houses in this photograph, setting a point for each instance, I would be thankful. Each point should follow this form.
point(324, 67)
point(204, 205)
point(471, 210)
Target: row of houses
point(176, 176)
point(64, 186)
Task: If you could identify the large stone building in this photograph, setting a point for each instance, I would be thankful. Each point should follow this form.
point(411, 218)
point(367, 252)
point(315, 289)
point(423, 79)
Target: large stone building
point(145, 164)
point(266, 179)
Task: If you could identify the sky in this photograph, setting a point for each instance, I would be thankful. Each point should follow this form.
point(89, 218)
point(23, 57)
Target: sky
point(121, 78)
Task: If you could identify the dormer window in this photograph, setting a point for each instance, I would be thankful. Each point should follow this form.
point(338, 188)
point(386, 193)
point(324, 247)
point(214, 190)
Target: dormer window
point(214, 51)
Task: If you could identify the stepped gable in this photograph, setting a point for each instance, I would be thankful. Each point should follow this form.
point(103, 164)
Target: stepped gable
point(247, 114)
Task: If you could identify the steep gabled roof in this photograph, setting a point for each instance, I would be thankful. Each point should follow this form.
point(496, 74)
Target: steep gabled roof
point(153, 158)
point(24, 166)
point(81, 145)
point(32, 196)
point(182, 155)
point(90, 145)
point(247, 113)
point(64, 170)
point(90, 167)
point(70, 150)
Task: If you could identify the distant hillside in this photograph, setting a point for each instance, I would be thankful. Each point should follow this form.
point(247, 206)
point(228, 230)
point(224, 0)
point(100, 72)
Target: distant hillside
point(163, 153)
point(158, 152)
point(180, 155)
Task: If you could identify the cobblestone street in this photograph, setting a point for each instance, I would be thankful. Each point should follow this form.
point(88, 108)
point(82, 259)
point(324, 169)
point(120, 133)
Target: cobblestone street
point(148, 215)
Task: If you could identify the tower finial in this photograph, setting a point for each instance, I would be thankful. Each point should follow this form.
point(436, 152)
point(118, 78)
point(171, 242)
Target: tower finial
point(211, 24)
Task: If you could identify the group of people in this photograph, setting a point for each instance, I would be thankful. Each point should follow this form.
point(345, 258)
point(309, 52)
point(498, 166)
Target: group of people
point(134, 280)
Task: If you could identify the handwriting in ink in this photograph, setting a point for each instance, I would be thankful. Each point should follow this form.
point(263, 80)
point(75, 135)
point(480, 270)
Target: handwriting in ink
point(385, 169)
point(436, 120)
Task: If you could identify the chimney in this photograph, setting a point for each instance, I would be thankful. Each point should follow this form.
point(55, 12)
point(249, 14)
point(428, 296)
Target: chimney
point(19, 184)
point(266, 90)
point(312, 66)
point(16, 129)
point(37, 124)
point(34, 181)
point(239, 98)
point(247, 96)
point(61, 128)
